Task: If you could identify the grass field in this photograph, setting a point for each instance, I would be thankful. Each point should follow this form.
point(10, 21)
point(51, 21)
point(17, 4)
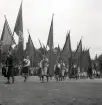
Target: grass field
point(33, 92)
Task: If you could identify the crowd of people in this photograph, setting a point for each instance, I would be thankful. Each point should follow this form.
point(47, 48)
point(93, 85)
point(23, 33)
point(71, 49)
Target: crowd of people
point(61, 70)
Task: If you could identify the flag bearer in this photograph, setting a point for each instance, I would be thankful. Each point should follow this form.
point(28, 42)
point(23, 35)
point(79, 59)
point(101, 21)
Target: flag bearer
point(10, 70)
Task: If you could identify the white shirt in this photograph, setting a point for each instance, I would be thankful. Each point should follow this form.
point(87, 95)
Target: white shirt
point(28, 62)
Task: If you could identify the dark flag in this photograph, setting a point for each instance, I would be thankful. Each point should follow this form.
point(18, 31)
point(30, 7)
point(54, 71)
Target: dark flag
point(50, 44)
point(66, 53)
point(19, 22)
point(30, 50)
point(78, 55)
point(7, 38)
point(79, 49)
point(89, 59)
point(96, 57)
point(86, 60)
point(58, 53)
point(19, 31)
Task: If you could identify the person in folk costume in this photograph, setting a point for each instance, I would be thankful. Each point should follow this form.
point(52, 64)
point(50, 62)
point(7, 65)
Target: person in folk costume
point(57, 70)
point(44, 66)
point(39, 70)
point(78, 72)
point(4, 70)
point(66, 70)
point(75, 71)
point(93, 72)
point(25, 70)
point(63, 71)
point(60, 73)
point(9, 65)
point(90, 71)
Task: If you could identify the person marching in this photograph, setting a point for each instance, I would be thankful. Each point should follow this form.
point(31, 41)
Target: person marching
point(57, 70)
point(63, 71)
point(9, 66)
point(44, 68)
point(25, 70)
point(39, 70)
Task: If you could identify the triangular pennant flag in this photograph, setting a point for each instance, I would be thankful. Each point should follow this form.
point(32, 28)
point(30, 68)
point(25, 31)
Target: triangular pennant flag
point(67, 51)
point(50, 37)
point(79, 49)
point(6, 37)
point(50, 53)
point(78, 55)
point(19, 31)
point(30, 47)
point(30, 50)
point(19, 22)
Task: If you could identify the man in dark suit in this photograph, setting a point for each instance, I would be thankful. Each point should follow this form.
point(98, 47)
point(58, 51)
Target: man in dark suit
point(9, 65)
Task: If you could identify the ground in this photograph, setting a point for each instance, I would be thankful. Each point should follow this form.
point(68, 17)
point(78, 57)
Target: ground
point(33, 92)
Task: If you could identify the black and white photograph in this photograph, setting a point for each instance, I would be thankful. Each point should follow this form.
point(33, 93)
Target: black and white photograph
point(50, 52)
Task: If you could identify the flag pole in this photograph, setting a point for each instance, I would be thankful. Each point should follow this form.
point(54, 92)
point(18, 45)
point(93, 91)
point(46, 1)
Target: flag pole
point(40, 43)
point(28, 31)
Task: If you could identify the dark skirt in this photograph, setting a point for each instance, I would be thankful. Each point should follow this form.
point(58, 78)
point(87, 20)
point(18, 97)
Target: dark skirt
point(57, 71)
point(10, 72)
point(25, 70)
point(4, 71)
point(39, 72)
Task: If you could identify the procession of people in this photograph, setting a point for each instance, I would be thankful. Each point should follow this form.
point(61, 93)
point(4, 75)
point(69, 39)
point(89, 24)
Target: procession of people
point(55, 62)
point(61, 70)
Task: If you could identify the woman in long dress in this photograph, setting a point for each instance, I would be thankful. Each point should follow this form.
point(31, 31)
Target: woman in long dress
point(44, 69)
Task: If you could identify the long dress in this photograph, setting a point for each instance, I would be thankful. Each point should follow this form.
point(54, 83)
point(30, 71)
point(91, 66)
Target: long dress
point(9, 64)
point(45, 68)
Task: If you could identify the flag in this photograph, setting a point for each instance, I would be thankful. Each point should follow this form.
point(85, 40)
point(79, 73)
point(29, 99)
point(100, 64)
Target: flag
point(6, 37)
point(79, 49)
point(19, 25)
point(89, 59)
point(19, 22)
point(50, 53)
point(30, 50)
point(40, 43)
point(66, 53)
point(95, 58)
point(78, 55)
point(86, 59)
point(50, 37)
point(19, 31)
point(58, 52)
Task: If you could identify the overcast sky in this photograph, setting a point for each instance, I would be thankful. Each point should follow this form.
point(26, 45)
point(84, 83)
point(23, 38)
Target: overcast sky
point(82, 17)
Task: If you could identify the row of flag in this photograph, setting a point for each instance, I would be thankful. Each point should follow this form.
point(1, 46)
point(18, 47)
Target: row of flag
point(80, 57)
